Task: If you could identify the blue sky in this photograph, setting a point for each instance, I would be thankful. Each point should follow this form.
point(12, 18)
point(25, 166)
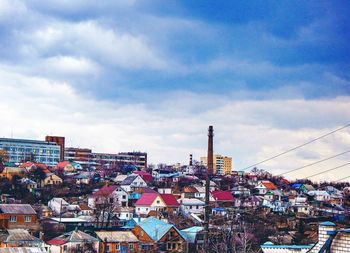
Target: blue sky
point(152, 75)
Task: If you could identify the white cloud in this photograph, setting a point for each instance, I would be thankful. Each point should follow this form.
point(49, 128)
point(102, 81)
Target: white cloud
point(90, 39)
point(248, 130)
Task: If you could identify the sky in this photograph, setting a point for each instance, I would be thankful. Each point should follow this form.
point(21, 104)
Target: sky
point(153, 75)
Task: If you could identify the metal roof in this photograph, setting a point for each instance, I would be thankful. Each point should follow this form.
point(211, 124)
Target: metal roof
point(17, 209)
point(117, 236)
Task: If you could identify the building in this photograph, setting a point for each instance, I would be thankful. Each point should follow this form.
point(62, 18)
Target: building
point(88, 158)
point(60, 141)
point(74, 241)
point(14, 216)
point(118, 241)
point(222, 165)
point(21, 150)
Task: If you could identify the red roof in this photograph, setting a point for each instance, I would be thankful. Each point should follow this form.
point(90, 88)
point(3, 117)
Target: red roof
point(269, 185)
point(145, 175)
point(285, 181)
point(222, 196)
point(56, 242)
point(105, 190)
point(169, 200)
point(63, 164)
point(146, 199)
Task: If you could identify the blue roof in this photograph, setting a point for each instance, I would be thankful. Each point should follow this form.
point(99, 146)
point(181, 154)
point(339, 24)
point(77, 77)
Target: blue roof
point(327, 223)
point(156, 229)
point(270, 246)
point(191, 233)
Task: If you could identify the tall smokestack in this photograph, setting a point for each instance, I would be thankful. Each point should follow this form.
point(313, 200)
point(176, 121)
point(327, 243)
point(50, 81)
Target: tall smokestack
point(191, 159)
point(207, 188)
point(210, 150)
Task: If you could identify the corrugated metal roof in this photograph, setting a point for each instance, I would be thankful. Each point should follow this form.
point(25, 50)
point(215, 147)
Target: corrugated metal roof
point(17, 209)
point(117, 236)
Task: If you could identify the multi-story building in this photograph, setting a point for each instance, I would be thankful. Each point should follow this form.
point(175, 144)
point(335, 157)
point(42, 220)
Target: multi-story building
point(86, 157)
point(222, 165)
point(20, 150)
point(60, 141)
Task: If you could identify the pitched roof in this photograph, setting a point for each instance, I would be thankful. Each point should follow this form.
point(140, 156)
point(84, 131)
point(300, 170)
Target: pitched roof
point(129, 180)
point(116, 236)
point(17, 209)
point(222, 196)
point(189, 189)
point(269, 185)
point(169, 200)
point(72, 236)
point(146, 199)
point(145, 175)
point(105, 191)
point(156, 228)
point(20, 235)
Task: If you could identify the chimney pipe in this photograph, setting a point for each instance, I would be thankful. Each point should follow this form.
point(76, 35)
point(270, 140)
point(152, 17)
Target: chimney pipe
point(191, 159)
point(210, 150)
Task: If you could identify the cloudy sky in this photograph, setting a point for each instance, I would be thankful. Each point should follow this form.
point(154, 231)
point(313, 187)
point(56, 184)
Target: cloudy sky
point(153, 75)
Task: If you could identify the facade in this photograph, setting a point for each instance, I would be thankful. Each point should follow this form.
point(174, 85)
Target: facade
point(118, 241)
point(20, 150)
point(60, 141)
point(222, 165)
point(13, 216)
point(86, 157)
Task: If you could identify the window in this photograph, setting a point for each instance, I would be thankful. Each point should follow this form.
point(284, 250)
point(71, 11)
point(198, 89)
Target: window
point(131, 246)
point(158, 202)
point(124, 197)
point(117, 246)
point(107, 248)
point(27, 218)
point(13, 218)
point(65, 248)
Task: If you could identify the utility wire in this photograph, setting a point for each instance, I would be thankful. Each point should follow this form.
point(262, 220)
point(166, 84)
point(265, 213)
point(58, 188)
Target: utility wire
point(342, 179)
point(308, 165)
point(297, 147)
point(325, 171)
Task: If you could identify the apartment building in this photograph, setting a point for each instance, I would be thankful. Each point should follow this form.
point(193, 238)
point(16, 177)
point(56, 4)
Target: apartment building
point(22, 150)
point(222, 165)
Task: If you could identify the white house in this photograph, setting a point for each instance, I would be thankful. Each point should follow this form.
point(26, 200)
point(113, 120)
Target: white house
point(193, 205)
point(320, 195)
point(133, 181)
point(58, 205)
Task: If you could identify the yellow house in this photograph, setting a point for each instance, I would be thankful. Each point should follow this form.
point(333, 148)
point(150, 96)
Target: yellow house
point(9, 172)
point(52, 179)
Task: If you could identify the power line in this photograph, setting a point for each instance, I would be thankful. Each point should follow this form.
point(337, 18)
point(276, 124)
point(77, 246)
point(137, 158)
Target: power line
point(325, 171)
point(297, 147)
point(342, 179)
point(308, 165)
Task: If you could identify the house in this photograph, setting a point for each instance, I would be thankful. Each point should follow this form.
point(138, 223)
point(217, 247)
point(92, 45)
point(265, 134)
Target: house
point(18, 216)
point(331, 239)
point(149, 202)
point(58, 205)
point(195, 238)
point(189, 192)
point(10, 172)
point(19, 238)
point(23, 250)
point(125, 213)
point(118, 241)
point(29, 184)
point(65, 166)
point(52, 179)
point(172, 206)
point(264, 186)
point(320, 195)
point(74, 241)
point(251, 201)
point(112, 194)
point(158, 236)
point(85, 210)
point(223, 198)
point(193, 205)
point(133, 181)
point(145, 176)
point(269, 247)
